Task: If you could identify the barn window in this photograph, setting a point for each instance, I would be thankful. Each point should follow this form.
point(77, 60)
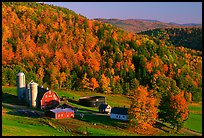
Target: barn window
point(119, 116)
point(123, 116)
point(116, 116)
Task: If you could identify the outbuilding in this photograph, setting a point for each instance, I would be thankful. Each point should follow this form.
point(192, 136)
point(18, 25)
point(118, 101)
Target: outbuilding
point(119, 113)
point(60, 113)
point(92, 101)
point(104, 108)
point(47, 99)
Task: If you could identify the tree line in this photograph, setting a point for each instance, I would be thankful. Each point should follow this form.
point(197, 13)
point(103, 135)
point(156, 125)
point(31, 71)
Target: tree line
point(60, 49)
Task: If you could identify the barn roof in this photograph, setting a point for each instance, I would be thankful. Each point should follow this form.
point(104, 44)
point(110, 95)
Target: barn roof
point(103, 106)
point(20, 74)
point(41, 92)
point(119, 110)
point(91, 97)
point(57, 110)
point(65, 106)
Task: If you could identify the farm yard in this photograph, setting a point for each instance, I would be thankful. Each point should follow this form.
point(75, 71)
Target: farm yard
point(92, 123)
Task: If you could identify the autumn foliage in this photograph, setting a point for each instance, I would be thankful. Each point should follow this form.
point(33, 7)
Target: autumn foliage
point(179, 111)
point(174, 110)
point(143, 110)
point(58, 48)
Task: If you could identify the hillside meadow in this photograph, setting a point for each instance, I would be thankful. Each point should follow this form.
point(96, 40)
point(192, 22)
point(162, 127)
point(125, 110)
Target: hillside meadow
point(18, 125)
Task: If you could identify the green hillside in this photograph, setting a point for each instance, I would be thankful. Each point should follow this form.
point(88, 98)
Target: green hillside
point(60, 49)
point(14, 124)
point(189, 37)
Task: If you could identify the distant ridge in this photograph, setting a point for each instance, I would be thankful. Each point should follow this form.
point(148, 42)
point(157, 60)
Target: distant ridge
point(140, 25)
point(187, 24)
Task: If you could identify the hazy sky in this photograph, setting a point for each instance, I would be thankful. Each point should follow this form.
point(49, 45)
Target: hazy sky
point(178, 12)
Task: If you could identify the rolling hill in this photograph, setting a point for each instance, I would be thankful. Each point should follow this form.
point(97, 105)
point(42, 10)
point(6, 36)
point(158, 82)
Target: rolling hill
point(190, 37)
point(140, 25)
point(60, 49)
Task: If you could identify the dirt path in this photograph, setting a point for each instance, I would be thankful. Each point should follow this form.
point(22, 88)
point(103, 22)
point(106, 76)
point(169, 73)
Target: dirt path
point(191, 132)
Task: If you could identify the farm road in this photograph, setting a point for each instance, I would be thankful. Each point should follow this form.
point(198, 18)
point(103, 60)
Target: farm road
point(191, 132)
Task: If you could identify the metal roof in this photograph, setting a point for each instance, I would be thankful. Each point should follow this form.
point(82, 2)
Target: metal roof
point(57, 110)
point(91, 97)
point(33, 83)
point(119, 110)
point(20, 74)
point(103, 106)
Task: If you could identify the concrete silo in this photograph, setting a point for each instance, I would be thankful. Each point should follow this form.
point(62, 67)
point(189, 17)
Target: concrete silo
point(33, 94)
point(20, 85)
point(28, 94)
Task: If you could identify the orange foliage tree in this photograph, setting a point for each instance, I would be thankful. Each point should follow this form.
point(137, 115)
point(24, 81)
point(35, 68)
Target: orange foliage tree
point(178, 111)
point(105, 81)
point(142, 112)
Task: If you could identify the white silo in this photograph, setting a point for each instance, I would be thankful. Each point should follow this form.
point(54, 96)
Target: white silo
point(33, 94)
point(28, 94)
point(20, 81)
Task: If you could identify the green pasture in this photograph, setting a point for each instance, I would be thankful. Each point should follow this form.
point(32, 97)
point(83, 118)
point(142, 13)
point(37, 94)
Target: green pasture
point(194, 121)
point(16, 125)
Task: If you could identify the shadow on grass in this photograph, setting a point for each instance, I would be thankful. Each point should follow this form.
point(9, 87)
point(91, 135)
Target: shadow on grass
point(91, 117)
point(81, 109)
point(163, 127)
point(25, 113)
point(102, 120)
point(11, 99)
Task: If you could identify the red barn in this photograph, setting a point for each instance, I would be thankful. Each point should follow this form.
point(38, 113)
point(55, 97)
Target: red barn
point(47, 99)
point(60, 113)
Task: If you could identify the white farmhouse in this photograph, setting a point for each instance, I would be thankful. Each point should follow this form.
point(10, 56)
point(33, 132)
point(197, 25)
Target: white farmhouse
point(119, 113)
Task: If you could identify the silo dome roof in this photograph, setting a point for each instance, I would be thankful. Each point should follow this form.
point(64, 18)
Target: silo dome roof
point(33, 83)
point(20, 74)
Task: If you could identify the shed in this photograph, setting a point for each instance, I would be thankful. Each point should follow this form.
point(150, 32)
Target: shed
point(119, 113)
point(67, 106)
point(104, 108)
point(92, 101)
point(60, 113)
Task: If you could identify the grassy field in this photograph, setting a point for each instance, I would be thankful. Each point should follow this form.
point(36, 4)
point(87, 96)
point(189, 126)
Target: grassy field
point(194, 121)
point(18, 125)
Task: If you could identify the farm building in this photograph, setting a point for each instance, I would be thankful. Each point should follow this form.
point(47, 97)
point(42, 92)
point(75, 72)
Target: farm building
point(119, 113)
point(34, 95)
point(47, 99)
point(67, 106)
point(104, 108)
point(92, 101)
point(60, 113)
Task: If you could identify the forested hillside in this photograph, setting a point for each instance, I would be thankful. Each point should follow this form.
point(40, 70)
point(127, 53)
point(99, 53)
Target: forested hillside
point(140, 25)
point(137, 25)
point(58, 48)
point(190, 37)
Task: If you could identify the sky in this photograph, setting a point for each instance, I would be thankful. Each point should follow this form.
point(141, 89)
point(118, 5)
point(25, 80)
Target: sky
point(177, 12)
